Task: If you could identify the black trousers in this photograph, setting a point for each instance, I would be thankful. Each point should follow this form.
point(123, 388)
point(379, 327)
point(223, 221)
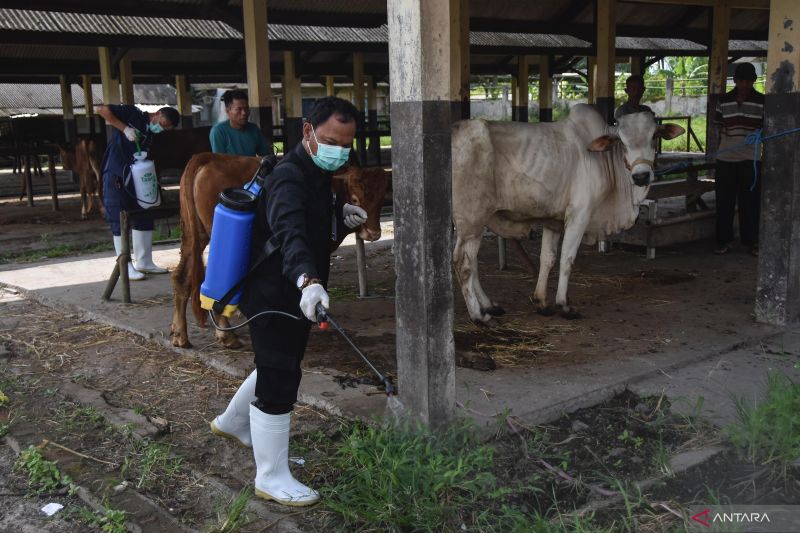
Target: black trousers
point(733, 181)
point(279, 345)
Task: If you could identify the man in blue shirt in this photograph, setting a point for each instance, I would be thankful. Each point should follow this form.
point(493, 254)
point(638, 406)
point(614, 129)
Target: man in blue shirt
point(236, 135)
point(131, 124)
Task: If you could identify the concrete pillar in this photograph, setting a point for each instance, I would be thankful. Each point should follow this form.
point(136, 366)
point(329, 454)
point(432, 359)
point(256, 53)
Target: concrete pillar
point(423, 99)
point(459, 37)
point(358, 101)
point(522, 89)
point(637, 65)
point(717, 68)
point(778, 289)
point(545, 90)
point(293, 103)
point(372, 121)
point(184, 93)
point(591, 68)
point(126, 80)
point(606, 58)
point(70, 128)
point(329, 88)
point(110, 85)
point(513, 97)
point(88, 102)
point(256, 50)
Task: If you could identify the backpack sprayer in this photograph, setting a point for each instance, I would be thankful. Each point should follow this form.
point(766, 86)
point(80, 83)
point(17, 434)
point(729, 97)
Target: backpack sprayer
point(229, 249)
point(145, 181)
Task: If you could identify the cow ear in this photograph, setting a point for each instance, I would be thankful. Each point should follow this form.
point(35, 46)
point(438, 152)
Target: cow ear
point(668, 131)
point(603, 143)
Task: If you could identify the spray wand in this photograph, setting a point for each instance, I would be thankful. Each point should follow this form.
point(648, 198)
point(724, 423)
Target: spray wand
point(323, 319)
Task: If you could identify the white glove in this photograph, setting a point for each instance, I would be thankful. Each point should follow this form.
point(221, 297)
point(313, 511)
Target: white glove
point(353, 215)
point(130, 133)
point(312, 295)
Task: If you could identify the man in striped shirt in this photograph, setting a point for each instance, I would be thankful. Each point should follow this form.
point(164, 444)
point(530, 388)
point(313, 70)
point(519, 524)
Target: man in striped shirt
point(739, 113)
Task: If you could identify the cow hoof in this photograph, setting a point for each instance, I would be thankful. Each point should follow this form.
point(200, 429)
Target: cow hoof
point(483, 322)
point(494, 310)
point(181, 343)
point(547, 311)
point(570, 313)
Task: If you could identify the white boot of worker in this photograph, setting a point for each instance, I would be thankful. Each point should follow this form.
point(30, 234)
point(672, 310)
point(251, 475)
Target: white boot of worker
point(133, 274)
point(143, 253)
point(274, 480)
point(234, 423)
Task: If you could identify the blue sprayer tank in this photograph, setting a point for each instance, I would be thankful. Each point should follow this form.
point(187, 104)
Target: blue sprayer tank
point(229, 249)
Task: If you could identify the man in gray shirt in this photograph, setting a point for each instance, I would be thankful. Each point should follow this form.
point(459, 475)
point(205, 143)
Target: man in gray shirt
point(634, 88)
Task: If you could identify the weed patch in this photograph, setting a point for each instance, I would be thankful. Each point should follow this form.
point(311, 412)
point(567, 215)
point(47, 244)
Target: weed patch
point(43, 475)
point(109, 520)
point(150, 461)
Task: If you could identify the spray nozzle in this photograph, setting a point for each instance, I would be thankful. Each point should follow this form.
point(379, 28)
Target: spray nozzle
point(322, 317)
point(388, 386)
point(267, 165)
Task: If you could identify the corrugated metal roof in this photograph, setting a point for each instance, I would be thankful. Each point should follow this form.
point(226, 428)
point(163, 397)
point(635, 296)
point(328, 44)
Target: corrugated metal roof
point(44, 96)
point(482, 38)
point(43, 21)
point(318, 34)
point(646, 43)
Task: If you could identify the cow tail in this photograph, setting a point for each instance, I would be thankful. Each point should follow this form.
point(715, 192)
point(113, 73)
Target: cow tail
point(191, 239)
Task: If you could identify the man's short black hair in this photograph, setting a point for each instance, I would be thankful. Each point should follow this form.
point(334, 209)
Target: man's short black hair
point(635, 78)
point(171, 114)
point(234, 94)
point(329, 106)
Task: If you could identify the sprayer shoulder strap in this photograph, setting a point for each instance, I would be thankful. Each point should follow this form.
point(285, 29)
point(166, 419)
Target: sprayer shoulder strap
point(269, 248)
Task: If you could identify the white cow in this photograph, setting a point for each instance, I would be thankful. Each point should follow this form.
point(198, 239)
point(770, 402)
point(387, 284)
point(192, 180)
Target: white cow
point(578, 177)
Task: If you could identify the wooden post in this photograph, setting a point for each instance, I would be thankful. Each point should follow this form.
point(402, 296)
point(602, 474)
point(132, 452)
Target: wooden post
point(522, 89)
point(545, 90)
point(358, 101)
point(372, 120)
point(51, 168)
point(361, 265)
point(778, 285)
point(88, 99)
point(256, 49)
point(329, 87)
point(717, 69)
point(421, 72)
point(637, 65)
point(591, 67)
point(184, 94)
point(110, 85)
point(28, 178)
point(126, 80)
point(606, 58)
point(293, 102)
point(70, 128)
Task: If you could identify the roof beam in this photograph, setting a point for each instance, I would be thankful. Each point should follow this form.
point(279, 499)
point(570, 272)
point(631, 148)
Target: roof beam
point(130, 41)
point(573, 10)
point(734, 4)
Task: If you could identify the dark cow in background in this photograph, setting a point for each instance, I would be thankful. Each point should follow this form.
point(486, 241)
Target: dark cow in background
point(172, 150)
point(204, 178)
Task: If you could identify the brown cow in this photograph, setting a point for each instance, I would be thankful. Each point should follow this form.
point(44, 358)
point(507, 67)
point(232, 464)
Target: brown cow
point(204, 178)
point(85, 160)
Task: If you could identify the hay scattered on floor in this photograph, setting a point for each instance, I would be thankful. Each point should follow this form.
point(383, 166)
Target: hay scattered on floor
point(514, 343)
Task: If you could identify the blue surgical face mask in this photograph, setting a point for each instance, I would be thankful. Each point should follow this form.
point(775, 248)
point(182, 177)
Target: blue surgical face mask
point(155, 127)
point(329, 157)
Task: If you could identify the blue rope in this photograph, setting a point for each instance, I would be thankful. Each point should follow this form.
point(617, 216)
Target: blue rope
point(755, 139)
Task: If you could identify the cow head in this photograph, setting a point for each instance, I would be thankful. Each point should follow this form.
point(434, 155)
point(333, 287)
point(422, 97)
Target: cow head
point(67, 154)
point(636, 133)
point(364, 187)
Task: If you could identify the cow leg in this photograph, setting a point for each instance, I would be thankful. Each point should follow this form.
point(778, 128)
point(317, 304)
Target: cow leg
point(574, 228)
point(465, 259)
point(547, 258)
point(227, 338)
point(180, 283)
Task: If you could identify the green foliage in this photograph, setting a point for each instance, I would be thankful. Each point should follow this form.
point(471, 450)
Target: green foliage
point(4, 429)
point(768, 432)
point(233, 518)
point(109, 520)
point(408, 478)
point(149, 461)
point(61, 250)
point(43, 475)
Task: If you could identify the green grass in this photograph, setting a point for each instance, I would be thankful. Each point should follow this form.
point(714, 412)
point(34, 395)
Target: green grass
point(678, 144)
point(109, 520)
point(43, 475)
point(61, 250)
point(768, 429)
point(233, 517)
point(149, 461)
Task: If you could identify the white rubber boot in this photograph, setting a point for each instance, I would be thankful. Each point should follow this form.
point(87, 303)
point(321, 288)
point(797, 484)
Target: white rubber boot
point(234, 423)
point(133, 274)
point(143, 253)
point(274, 480)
